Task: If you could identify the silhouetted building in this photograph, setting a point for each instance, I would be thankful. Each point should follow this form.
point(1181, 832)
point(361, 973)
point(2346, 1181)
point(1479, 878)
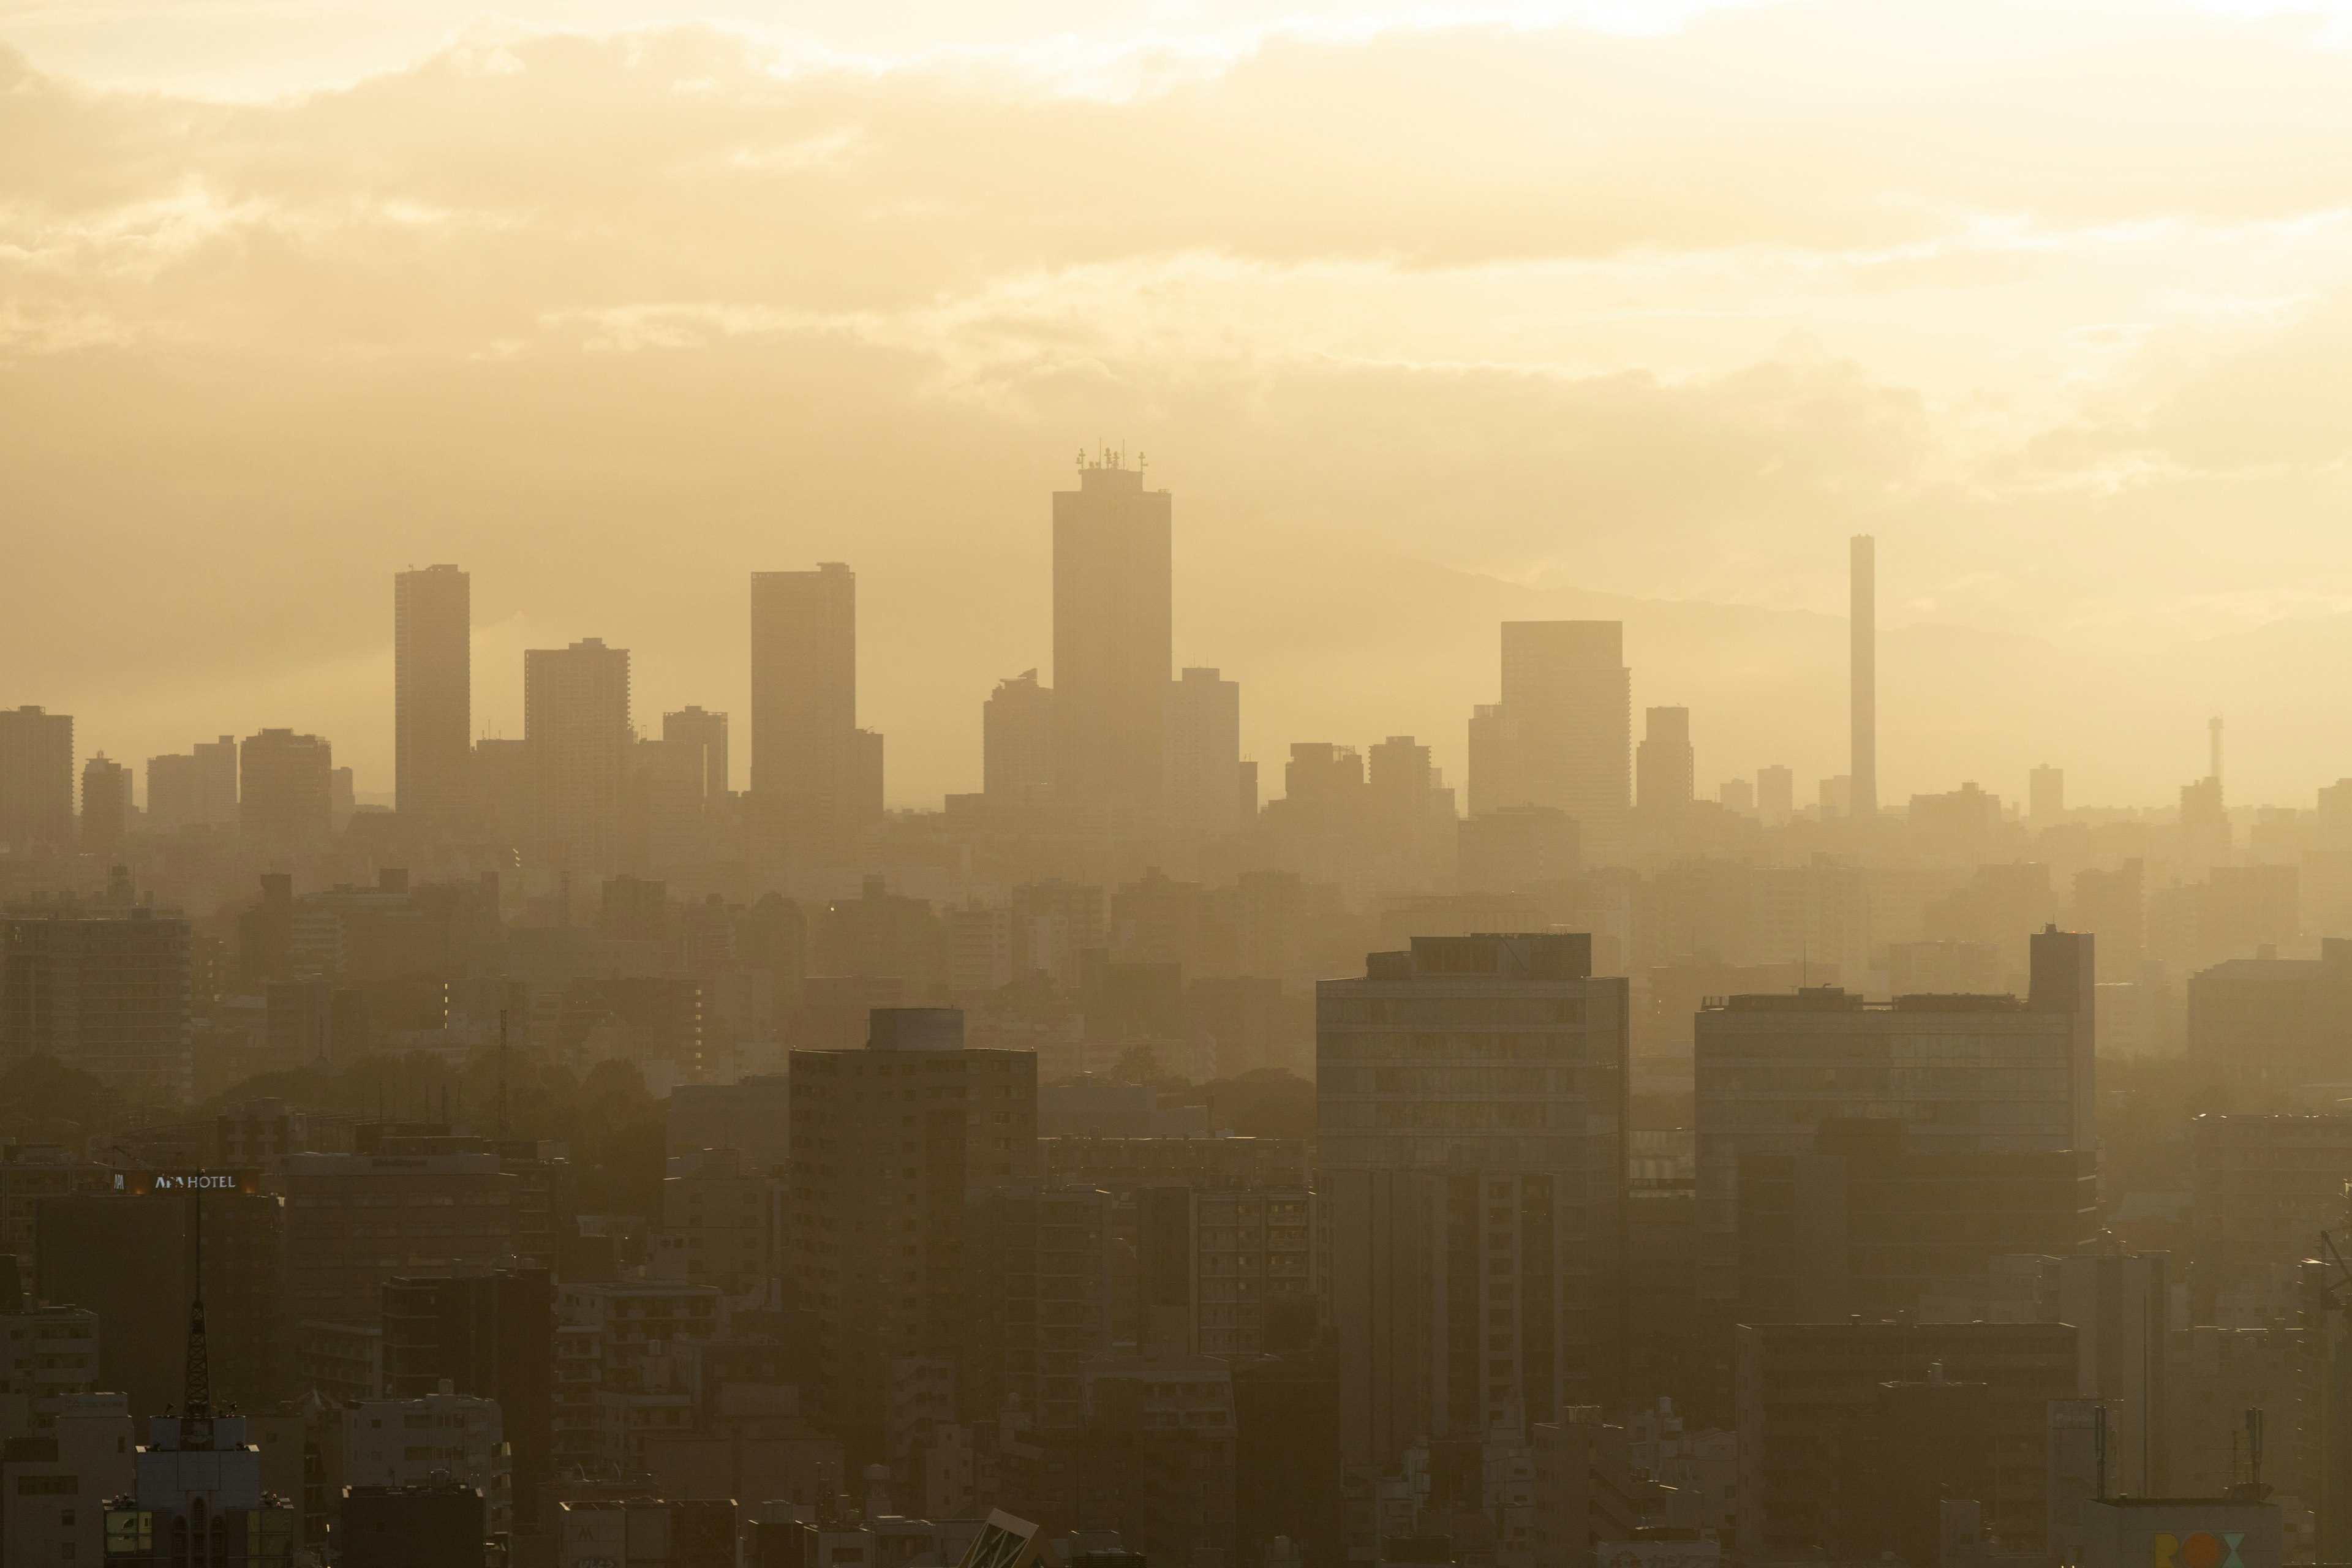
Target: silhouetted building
point(1224, 1271)
point(1517, 847)
point(2045, 795)
point(2277, 1021)
point(2010, 1075)
point(706, 734)
point(1810, 1416)
point(1569, 719)
point(286, 793)
point(36, 778)
point(1776, 794)
point(1664, 768)
point(577, 738)
point(105, 805)
point(488, 1336)
point(1861, 568)
point(171, 792)
point(354, 1221)
point(1113, 604)
point(1204, 753)
point(1865, 1223)
point(427, 1524)
point(103, 990)
point(135, 1261)
point(1470, 1114)
point(878, 1205)
point(1017, 739)
point(432, 687)
point(810, 762)
point(1287, 1476)
point(2263, 1187)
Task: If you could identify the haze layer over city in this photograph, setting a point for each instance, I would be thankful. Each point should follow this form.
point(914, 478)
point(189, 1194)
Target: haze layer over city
point(1026, 785)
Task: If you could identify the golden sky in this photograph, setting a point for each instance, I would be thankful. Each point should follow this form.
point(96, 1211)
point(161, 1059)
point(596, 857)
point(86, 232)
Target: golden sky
point(1428, 315)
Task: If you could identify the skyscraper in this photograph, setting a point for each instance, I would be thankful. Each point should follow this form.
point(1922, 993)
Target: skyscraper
point(105, 805)
point(1664, 768)
point(432, 679)
point(287, 791)
point(1470, 1116)
point(1016, 738)
point(807, 759)
point(1863, 798)
point(576, 726)
point(1113, 635)
point(1567, 708)
point(708, 733)
point(171, 792)
point(1204, 753)
point(36, 778)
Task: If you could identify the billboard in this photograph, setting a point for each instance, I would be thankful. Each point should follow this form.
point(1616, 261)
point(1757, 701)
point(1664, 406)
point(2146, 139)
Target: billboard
point(161, 1183)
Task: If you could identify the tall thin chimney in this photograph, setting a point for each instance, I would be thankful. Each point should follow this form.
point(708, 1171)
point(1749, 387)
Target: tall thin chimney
point(2213, 730)
point(1864, 574)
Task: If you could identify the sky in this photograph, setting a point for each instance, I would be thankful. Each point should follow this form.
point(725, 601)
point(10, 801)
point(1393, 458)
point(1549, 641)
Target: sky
point(1428, 316)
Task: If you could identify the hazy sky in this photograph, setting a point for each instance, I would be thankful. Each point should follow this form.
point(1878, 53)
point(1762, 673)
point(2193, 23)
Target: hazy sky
point(1427, 314)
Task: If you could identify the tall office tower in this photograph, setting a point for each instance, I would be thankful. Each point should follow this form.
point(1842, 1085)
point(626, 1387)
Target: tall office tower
point(575, 730)
point(892, 1146)
point(1016, 739)
point(105, 805)
point(1568, 703)
point(1204, 753)
point(708, 733)
point(105, 991)
point(1776, 794)
point(1406, 805)
point(355, 1221)
point(287, 787)
point(2045, 795)
point(171, 792)
point(805, 735)
point(491, 1336)
point(667, 779)
point(433, 691)
point(1664, 768)
point(1470, 1115)
point(1490, 786)
point(36, 778)
point(217, 800)
point(1862, 585)
point(1113, 633)
point(2011, 1076)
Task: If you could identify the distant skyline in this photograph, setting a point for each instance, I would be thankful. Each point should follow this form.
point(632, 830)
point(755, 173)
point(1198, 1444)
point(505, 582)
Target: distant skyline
point(1567, 304)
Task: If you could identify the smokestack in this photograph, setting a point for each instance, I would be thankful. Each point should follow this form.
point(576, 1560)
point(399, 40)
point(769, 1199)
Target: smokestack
point(1862, 572)
point(2213, 729)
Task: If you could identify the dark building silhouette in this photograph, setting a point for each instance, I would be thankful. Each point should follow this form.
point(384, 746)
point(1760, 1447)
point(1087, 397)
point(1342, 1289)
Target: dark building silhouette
point(1664, 768)
point(1568, 723)
point(286, 788)
point(437, 1525)
point(706, 734)
point(1113, 635)
point(491, 1336)
point(103, 989)
point(817, 777)
point(576, 737)
point(105, 805)
point(1287, 1476)
point(36, 778)
point(879, 1206)
point(1204, 755)
point(1017, 739)
point(433, 687)
point(2279, 1021)
point(1862, 772)
point(1470, 1113)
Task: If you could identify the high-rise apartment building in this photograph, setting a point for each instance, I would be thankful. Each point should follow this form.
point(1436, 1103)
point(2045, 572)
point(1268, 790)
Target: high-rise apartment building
point(36, 778)
point(104, 990)
point(1862, 800)
point(171, 792)
point(1568, 717)
point(286, 787)
point(1664, 768)
point(216, 797)
point(433, 687)
point(105, 805)
point(1219, 1268)
point(1972, 1075)
point(1204, 755)
point(706, 732)
point(1470, 1108)
point(577, 736)
point(810, 792)
point(1776, 794)
point(1113, 633)
point(892, 1146)
point(1489, 784)
point(2045, 795)
point(1016, 739)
